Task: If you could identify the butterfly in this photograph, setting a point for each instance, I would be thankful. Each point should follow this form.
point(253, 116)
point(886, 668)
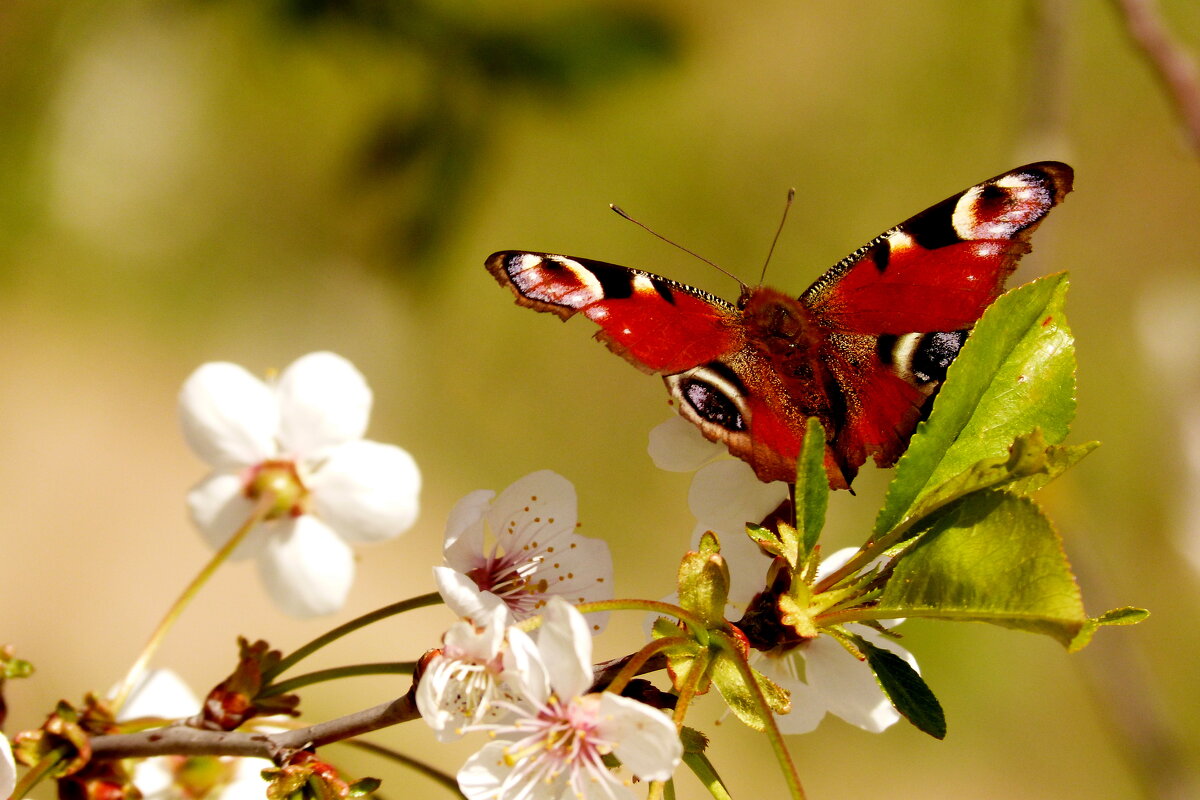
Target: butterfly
point(864, 349)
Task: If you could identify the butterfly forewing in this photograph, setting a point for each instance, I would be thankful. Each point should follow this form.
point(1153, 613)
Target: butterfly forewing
point(940, 269)
point(658, 324)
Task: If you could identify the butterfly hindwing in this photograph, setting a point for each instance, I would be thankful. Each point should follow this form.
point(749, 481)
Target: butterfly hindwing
point(864, 349)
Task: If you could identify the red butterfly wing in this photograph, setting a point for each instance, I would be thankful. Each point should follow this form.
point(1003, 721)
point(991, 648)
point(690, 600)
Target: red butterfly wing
point(899, 308)
point(657, 324)
point(939, 270)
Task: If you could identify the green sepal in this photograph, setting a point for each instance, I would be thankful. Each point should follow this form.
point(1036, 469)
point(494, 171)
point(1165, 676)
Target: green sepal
point(1117, 616)
point(905, 688)
point(811, 491)
point(741, 698)
point(1015, 373)
point(988, 557)
point(363, 787)
point(693, 741)
point(703, 581)
point(782, 544)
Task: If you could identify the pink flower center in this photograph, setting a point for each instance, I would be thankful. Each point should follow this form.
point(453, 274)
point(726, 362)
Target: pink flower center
point(512, 579)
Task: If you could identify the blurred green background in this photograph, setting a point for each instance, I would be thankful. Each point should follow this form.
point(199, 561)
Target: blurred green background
point(250, 181)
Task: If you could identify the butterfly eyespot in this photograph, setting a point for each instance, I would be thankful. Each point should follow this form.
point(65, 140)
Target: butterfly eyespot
point(933, 353)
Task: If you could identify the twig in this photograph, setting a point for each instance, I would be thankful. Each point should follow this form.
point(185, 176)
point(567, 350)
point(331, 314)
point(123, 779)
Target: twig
point(1174, 66)
point(183, 740)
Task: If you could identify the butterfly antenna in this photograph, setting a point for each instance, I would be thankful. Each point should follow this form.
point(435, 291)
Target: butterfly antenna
point(786, 208)
point(693, 253)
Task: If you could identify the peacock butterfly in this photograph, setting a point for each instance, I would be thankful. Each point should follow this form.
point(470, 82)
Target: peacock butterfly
point(864, 349)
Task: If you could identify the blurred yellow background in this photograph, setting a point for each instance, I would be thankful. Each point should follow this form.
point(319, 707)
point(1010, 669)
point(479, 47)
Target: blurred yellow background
point(249, 181)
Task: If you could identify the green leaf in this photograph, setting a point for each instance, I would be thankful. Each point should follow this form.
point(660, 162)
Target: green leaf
point(906, 689)
point(1015, 373)
point(1117, 616)
point(812, 489)
point(990, 557)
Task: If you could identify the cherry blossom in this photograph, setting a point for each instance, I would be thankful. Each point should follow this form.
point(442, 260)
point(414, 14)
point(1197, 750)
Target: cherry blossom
point(554, 747)
point(470, 681)
point(299, 440)
point(824, 678)
point(519, 549)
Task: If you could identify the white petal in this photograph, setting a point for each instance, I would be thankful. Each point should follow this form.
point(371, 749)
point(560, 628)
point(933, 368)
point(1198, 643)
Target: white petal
point(524, 668)
point(366, 491)
point(647, 742)
point(229, 417)
point(430, 695)
point(726, 495)
point(847, 685)
point(218, 507)
point(834, 561)
point(306, 568)
point(160, 693)
point(484, 772)
point(247, 783)
point(463, 546)
point(808, 705)
point(565, 643)
point(154, 778)
point(8, 768)
point(323, 400)
point(464, 598)
point(677, 445)
point(464, 640)
point(580, 572)
point(534, 513)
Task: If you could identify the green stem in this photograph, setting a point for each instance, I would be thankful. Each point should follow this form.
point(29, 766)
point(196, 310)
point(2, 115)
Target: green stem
point(39, 771)
point(265, 504)
point(333, 673)
point(633, 666)
point(703, 769)
point(420, 601)
point(434, 774)
point(786, 765)
point(697, 672)
point(697, 626)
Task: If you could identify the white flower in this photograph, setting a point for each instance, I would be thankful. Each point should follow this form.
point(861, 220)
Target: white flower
point(161, 693)
point(823, 677)
point(520, 549)
point(470, 682)
point(301, 439)
point(8, 768)
point(554, 747)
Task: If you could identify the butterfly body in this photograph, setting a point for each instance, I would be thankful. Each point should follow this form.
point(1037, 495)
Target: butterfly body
point(863, 349)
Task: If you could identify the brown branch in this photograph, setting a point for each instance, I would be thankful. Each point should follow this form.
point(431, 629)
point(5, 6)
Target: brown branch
point(1173, 65)
point(180, 739)
point(183, 740)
